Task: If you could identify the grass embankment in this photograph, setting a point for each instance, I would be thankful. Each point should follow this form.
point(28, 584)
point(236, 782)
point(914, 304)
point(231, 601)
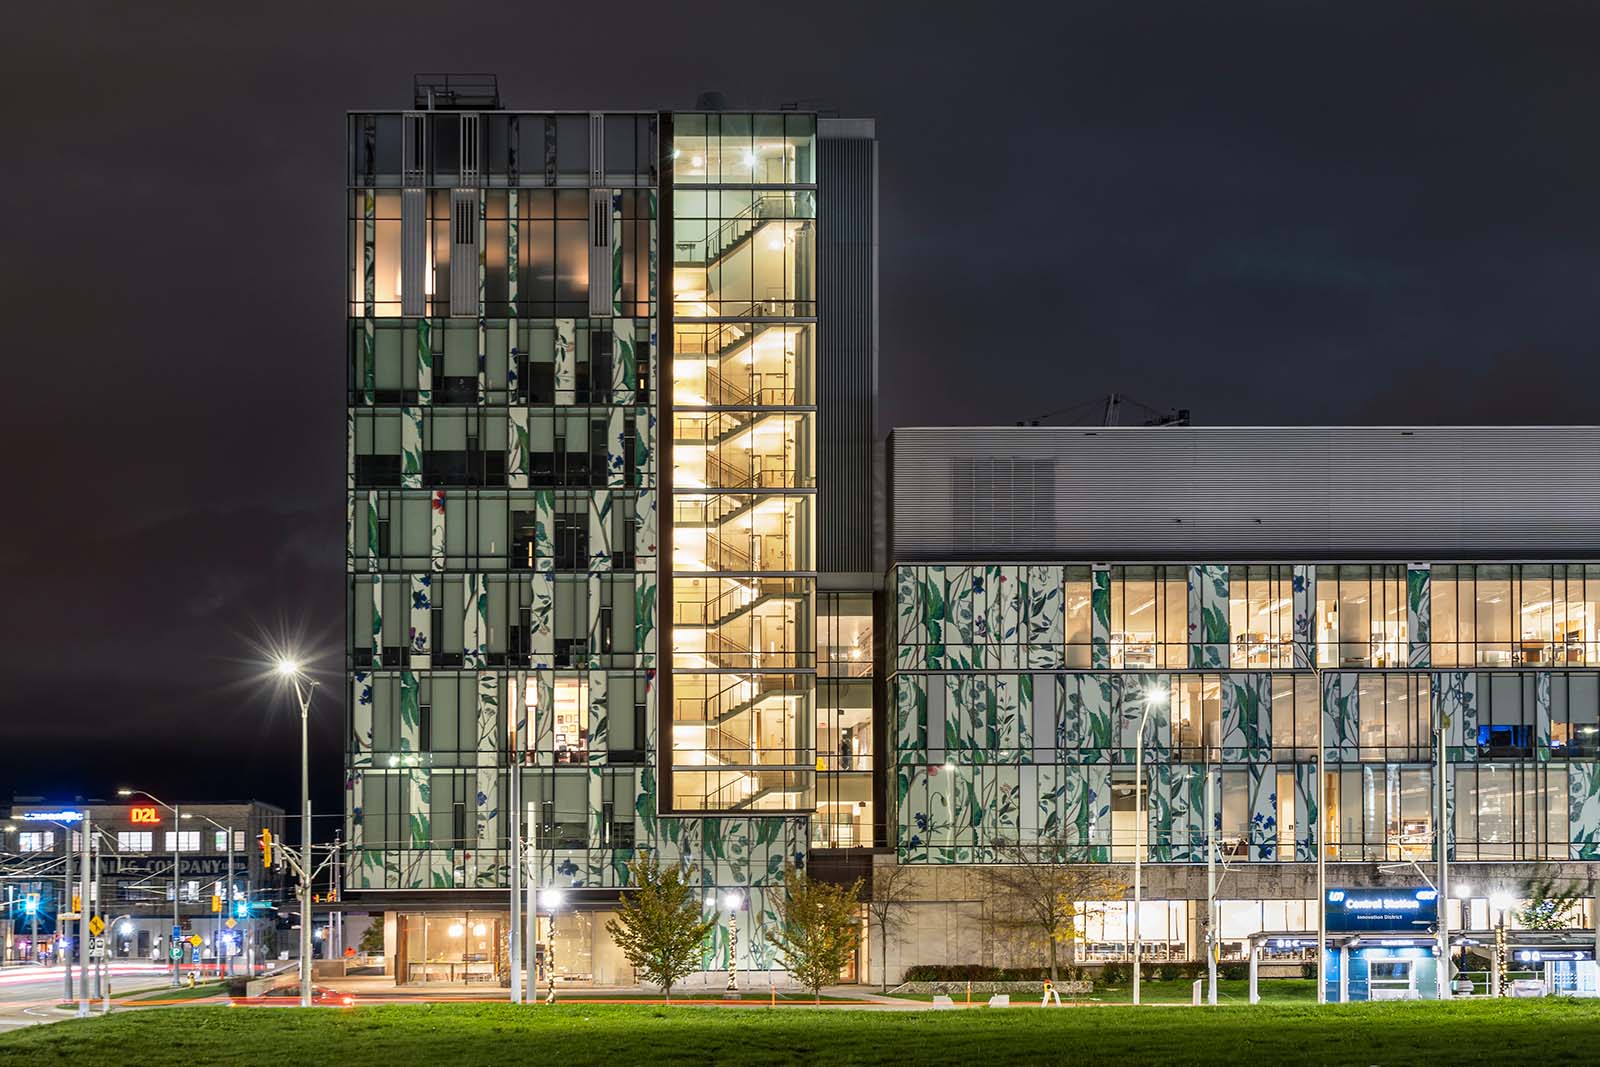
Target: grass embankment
point(1459, 1034)
point(1161, 991)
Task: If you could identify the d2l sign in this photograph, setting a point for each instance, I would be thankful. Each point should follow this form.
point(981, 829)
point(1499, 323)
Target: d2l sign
point(1382, 910)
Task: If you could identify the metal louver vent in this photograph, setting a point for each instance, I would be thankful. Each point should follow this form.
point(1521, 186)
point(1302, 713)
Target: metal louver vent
point(470, 153)
point(414, 149)
point(600, 252)
point(464, 253)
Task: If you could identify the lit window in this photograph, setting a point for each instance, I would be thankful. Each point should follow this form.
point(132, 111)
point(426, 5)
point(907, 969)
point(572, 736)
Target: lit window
point(187, 841)
point(135, 840)
point(36, 841)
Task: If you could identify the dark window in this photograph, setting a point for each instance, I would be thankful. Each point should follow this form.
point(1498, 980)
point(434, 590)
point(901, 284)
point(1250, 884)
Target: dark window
point(377, 471)
point(630, 452)
point(600, 366)
point(539, 384)
point(425, 727)
point(455, 389)
point(542, 470)
point(572, 542)
point(383, 537)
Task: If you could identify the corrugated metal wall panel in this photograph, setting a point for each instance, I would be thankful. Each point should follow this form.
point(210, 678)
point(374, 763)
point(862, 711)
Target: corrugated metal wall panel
point(847, 376)
point(1245, 493)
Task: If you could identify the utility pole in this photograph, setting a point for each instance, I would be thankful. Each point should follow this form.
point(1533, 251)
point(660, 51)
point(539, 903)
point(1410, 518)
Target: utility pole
point(84, 905)
point(1211, 883)
point(62, 912)
point(175, 950)
point(514, 764)
point(228, 900)
point(1441, 844)
point(530, 887)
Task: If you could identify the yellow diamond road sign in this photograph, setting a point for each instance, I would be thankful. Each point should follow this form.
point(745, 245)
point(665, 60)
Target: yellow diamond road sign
point(97, 926)
point(196, 940)
point(231, 923)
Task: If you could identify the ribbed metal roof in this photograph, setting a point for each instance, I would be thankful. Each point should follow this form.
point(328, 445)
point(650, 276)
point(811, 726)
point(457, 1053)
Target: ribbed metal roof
point(1245, 493)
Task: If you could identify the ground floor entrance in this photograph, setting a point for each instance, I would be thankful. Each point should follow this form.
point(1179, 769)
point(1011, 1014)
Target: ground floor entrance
point(474, 948)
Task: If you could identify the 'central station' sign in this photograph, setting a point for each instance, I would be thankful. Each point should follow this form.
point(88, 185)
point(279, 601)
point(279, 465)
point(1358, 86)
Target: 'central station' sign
point(1382, 910)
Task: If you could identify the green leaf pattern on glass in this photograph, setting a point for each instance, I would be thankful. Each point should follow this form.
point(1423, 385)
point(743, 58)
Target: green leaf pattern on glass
point(1306, 805)
point(411, 448)
point(425, 360)
point(1583, 809)
point(1419, 615)
point(1100, 617)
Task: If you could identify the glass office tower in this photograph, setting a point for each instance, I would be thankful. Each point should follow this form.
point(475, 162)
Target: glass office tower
point(580, 513)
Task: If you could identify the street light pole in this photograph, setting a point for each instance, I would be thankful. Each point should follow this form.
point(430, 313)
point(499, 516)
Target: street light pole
point(1319, 820)
point(84, 905)
point(1155, 698)
point(515, 767)
point(303, 696)
point(63, 911)
point(1441, 846)
point(733, 900)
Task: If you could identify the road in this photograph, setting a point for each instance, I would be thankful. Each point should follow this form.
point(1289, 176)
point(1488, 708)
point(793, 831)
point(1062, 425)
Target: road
point(29, 994)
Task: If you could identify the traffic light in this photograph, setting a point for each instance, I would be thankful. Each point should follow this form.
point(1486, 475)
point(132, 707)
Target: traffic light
point(30, 904)
point(266, 848)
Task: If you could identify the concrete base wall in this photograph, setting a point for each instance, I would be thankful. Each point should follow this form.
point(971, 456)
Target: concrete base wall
point(951, 917)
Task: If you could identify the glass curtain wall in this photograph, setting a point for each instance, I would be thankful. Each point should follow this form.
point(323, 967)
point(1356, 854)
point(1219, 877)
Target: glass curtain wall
point(844, 722)
point(743, 556)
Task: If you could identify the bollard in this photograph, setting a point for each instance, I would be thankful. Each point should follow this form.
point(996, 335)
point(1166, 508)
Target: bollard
point(1198, 998)
point(969, 992)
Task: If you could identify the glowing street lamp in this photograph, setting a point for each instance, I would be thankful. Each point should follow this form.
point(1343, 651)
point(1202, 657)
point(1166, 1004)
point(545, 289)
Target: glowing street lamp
point(551, 899)
point(1157, 698)
point(289, 668)
point(1500, 902)
point(733, 900)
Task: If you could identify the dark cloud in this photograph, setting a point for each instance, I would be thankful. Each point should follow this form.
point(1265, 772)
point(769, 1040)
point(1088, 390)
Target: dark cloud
point(1297, 213)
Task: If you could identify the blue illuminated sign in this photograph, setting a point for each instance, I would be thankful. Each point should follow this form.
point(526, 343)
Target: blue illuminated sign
point(1548, 955)
point(1382, 910)
point(52, 816)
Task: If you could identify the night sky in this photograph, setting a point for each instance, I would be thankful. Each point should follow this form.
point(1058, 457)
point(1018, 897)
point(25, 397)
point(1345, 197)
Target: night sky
point(1283, 213)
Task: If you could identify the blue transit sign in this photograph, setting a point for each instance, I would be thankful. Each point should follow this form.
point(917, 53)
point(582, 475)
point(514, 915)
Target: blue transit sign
point(1382, 910)
point(1552, 955)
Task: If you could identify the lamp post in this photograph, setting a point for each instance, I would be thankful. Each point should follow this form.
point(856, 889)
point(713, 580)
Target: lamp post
point(1305, 654)
point(1156, 698)
point(1500, 903)
point(551, 898)
point(227, 909)
point(177, 841)
point(732, 900)
point(288, 668)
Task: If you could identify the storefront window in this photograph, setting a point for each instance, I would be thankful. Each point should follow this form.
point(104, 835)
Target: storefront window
point(452, 947)
point(1106, 935)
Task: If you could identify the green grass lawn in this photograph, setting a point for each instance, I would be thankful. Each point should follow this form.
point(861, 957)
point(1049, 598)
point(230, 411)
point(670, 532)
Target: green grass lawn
point(183, 992)
point(1458, 1034)
point(1159, 991)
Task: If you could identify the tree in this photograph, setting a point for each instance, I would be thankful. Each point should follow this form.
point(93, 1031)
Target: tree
point(816, 929)
point(891, 896)
point(1033, 891)
point(1550, 907)
point(659, 926)
point(372, 939)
